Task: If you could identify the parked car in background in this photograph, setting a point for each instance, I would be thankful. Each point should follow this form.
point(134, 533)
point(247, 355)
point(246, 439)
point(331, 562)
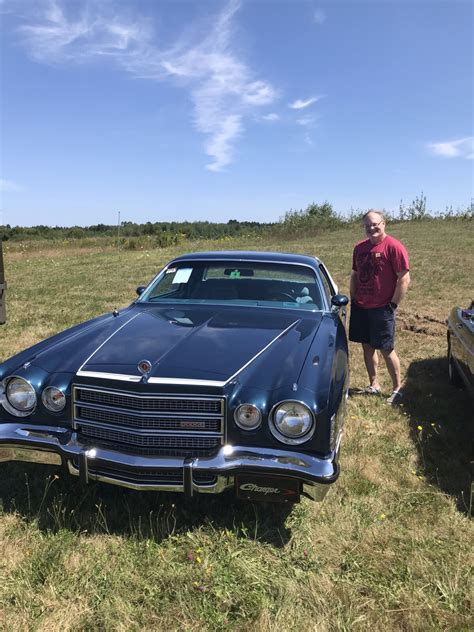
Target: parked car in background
point(461, 347)
point(461, 367)
point(229, 371)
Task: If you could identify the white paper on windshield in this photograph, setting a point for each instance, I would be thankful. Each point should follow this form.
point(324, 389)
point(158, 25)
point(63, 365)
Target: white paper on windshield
point(182, 276)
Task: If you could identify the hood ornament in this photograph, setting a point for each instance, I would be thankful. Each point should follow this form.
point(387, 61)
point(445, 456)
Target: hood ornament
point(144, 366)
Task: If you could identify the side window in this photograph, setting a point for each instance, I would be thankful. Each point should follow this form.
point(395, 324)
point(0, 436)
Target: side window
point(328, 288)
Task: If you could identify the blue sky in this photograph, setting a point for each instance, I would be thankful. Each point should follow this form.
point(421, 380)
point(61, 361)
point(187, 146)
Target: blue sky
point(217, 110)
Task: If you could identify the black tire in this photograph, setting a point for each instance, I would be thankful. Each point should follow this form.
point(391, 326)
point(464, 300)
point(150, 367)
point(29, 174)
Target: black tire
point(453, 373)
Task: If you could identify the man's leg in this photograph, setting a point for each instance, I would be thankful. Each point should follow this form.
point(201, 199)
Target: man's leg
point(371, 360)
point(393, 366)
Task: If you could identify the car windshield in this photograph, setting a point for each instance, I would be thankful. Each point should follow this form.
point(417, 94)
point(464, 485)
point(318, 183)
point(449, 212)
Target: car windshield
point(237, 282)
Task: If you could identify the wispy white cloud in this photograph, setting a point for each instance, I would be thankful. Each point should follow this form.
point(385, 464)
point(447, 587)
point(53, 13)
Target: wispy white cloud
point(271, 117)
point(459, 148)
point(8, 186)
point(319, 16)
point(307, 121)
point(299, 104)
point(223, 87)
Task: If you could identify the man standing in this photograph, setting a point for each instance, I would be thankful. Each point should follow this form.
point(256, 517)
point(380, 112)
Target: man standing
point(379, 281)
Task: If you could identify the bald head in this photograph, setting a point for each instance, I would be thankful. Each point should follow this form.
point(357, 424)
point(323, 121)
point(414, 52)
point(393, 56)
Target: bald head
point(374, 212)
point(374, 224)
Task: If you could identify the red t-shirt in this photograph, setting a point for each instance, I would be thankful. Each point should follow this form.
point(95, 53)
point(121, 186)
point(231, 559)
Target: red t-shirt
point(377, 266)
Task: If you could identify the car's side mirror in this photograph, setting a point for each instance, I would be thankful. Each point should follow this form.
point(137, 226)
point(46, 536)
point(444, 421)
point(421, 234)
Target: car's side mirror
point(339, 300)
point(140, 289)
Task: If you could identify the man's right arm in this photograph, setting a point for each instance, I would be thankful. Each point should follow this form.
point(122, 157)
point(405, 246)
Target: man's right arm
point(353, 284)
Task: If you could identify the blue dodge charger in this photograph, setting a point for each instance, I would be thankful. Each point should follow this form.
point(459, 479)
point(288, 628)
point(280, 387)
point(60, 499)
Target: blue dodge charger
point(229, 371)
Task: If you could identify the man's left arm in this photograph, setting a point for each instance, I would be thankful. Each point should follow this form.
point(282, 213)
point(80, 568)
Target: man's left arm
point(403, 281)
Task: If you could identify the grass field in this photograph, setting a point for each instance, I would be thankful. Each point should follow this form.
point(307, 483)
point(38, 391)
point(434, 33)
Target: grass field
point(389, 549)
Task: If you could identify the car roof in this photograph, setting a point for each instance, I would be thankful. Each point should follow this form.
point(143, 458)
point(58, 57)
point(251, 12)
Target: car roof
point(250, 255)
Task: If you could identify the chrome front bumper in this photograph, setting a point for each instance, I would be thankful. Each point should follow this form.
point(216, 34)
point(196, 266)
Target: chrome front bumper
point(55, 446)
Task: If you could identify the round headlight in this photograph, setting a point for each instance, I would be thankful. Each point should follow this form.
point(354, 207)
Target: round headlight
point(292, 422)
point(20, 395)
point(54, 399)
point(247, 417)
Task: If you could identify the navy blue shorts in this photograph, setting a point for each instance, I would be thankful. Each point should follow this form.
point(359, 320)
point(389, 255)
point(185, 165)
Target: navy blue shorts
point(374, 326)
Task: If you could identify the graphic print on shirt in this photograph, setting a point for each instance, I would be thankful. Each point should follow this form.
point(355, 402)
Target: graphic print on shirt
point(369, 265)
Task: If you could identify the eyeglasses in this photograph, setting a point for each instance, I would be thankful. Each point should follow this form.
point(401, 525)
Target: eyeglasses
point(374, 224)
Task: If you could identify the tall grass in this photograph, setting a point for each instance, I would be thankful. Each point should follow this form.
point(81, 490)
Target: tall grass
point(389, 549)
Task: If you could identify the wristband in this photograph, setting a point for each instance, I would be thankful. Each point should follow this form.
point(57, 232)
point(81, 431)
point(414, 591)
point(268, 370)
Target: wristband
point(393, 305)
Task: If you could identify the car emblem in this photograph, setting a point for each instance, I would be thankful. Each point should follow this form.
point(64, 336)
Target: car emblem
point(144, 366)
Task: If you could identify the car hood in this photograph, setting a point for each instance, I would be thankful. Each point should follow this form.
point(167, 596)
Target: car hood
point(194, 343)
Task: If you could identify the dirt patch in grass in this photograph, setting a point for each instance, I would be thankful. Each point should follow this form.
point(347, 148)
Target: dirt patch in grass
point(422, 324)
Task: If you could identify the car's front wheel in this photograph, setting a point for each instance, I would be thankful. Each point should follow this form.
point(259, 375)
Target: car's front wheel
point(453, 372)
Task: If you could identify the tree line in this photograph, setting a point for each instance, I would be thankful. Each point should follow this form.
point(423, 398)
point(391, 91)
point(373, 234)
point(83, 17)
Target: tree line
point(161, 234)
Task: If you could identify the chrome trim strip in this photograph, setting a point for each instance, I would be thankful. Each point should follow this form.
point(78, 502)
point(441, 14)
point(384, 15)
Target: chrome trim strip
point(109, 376)
point(107, 339)
point(280, 335)
point(185, 381)
point(152, 380)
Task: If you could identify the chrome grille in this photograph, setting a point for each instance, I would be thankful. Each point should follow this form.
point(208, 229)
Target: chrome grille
point(147, 422)
point(172, 477)
point(150, 424)
point(150, 441)
point(149, 402)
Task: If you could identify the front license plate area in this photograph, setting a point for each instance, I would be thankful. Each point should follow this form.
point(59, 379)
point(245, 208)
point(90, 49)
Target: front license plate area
point(267, 488)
